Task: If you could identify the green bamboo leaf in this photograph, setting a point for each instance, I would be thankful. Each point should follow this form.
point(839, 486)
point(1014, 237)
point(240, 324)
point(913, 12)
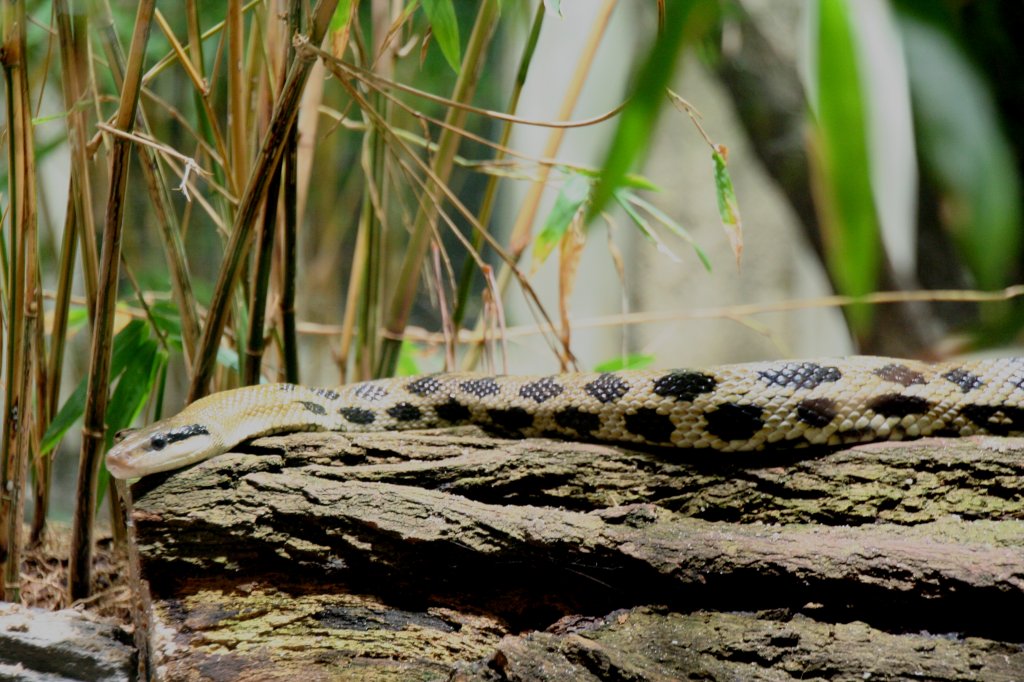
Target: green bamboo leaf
point(445, 27)
point(341, 15)
point(631, 361)
point(69, 413)
point(963, 143)
point(630, 180)
point(667, 221)
point(567, 205)
point(645, 227)
point(853, 247)
point(134, 387)
point(685, 20)
point(127, 343)
point(728, 208)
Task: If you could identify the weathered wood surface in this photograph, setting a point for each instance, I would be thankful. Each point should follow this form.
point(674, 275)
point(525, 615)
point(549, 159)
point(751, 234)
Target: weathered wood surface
point(455, 555)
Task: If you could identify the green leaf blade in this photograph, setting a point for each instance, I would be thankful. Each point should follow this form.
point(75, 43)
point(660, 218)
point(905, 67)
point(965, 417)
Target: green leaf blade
point(963, 143)
point(342, 13)
point(127, 343)
point(728, 207)
point(134, 386)
point(567, 204)
point(685, 21)
point(628, 200)
point(852, 240)
point(445, 27)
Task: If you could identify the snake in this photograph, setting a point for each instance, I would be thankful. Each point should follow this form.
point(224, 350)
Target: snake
point(729, 408)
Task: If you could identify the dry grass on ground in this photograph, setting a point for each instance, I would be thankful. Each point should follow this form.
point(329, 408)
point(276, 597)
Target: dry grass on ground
point(44, 576)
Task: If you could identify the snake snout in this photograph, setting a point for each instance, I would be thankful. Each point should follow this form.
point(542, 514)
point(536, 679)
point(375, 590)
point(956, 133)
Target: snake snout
point(127, 458)
point(119, 462)
point(161, 447)
point(117, 468)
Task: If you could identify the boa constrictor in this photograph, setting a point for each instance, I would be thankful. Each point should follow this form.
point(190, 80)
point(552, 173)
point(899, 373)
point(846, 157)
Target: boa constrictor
point(754, 406)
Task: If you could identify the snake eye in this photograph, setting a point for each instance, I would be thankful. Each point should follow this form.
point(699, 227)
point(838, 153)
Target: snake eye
point(158, 442)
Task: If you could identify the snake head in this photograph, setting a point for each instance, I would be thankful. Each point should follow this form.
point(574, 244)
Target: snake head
point(159, 447)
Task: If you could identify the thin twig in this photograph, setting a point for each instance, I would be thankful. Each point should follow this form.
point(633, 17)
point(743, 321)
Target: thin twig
point(190, 163)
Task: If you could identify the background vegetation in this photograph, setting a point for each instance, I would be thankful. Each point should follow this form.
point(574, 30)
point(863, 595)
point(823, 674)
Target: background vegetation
point(241, 178)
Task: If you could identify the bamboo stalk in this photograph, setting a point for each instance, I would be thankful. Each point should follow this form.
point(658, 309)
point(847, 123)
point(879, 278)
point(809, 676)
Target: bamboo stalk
point(265, 240)
point(41, 466)
point(359, 340)
point(289, 270)
point(166, 220)
point(165, 217)
point(73, 42)
point(237, 97)
point(71, 38)
point(55, 363)
point(248, 209)
point(426, 216)
point(364, 297)
point(261, 283)
point(373, 233)
point(93, 440)
point(290, 227)
point(15, 436)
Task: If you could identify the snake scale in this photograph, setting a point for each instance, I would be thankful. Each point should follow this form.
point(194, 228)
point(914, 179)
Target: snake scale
point(744, 407)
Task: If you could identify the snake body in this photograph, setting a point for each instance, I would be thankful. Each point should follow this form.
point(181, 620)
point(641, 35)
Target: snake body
point(753, 406)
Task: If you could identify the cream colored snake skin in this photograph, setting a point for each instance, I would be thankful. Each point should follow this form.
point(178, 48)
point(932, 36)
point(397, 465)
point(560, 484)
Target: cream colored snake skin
point(752, 406)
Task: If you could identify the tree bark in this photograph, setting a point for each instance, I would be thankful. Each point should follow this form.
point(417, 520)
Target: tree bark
point(452, 555)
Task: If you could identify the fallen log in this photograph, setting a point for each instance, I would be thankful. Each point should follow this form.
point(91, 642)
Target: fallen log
point(442, 554)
